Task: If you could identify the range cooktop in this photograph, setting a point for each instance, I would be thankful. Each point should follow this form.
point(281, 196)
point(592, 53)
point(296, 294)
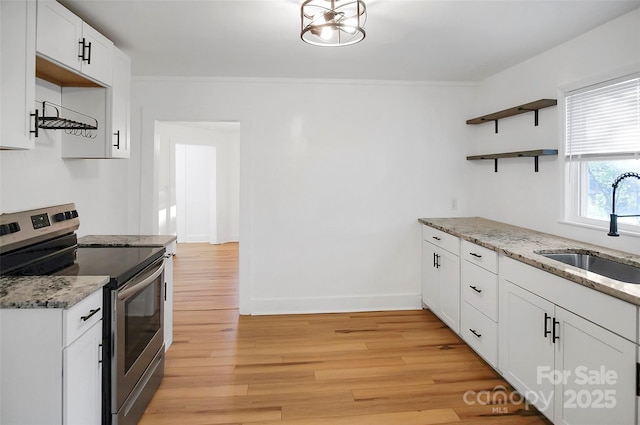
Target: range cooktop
point(119, 263)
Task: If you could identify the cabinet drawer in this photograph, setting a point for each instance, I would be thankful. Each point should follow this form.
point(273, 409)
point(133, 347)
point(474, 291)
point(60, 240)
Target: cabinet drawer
point(439, 238)
point(476, 254)
point(480, 332)
point(79, 318)
point(480, 289)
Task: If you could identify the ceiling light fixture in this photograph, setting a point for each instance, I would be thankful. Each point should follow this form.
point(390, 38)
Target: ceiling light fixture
point(333, 22)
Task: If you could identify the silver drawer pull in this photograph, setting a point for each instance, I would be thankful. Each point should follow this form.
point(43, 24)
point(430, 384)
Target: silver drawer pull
point(91, 313)
point(473, 331)
point(475, 288)
point(475, 255)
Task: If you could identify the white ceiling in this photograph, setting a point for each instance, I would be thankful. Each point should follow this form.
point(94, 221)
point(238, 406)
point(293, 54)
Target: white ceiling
point(426, 40)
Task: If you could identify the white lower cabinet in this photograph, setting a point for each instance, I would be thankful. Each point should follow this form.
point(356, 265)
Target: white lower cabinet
point(51, 364)
point(480, 332)
point(479, 305)
point(168, 294)
point(82, 403)
point(526, 345)
point(600, 384)
point(441, 278)
point(572, 370)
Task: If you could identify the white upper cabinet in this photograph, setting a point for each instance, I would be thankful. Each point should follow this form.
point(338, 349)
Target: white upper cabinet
point(95, 80)
point(95, 55)
point(120, 104)
point(65, 39)
point(17, 74)
point(59, 34)
point(110, 106)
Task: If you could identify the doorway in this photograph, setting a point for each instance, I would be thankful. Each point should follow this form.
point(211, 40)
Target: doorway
point(199, 173)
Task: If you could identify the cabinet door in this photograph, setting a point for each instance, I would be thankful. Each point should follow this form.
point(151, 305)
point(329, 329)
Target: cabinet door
point(82, 378)
point(17, 73)
point(430, 276)
point(96, 58)
point(120, 104)
point(449, 281)
point(168, 301)
point(59, 34)
point(599, 373)
point(526, 346)
point(441, 284)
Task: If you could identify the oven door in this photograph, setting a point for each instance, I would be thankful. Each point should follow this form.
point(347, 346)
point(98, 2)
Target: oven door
point(137, 329)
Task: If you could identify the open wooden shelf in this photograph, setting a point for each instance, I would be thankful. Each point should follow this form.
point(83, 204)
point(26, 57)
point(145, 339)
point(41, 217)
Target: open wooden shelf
point(519, 154)
point(521, 109)
point(60, 76)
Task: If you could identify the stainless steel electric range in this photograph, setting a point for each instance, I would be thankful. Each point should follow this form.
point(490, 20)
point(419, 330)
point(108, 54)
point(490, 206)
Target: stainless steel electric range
point(43, 242)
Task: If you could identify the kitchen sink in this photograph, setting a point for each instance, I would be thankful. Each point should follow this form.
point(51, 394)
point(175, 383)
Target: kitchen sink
point(596, 264)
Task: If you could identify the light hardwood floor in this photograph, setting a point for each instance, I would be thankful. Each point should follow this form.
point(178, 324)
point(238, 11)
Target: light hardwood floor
point(376, 368)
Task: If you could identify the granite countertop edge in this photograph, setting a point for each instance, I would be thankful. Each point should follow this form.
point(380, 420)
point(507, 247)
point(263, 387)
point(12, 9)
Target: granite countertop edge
point(126, 240)
point(521, 244)
point(63, 292)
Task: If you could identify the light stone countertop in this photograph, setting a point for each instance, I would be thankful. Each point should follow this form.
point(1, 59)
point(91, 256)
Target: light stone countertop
point(521, 244)
point(126, 240)
point(47, 291)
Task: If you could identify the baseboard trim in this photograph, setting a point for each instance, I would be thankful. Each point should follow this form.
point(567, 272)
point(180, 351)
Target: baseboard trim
point(335, 304)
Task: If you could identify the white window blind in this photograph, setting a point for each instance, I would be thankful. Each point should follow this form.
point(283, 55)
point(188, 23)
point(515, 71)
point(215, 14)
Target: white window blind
point(605, 120)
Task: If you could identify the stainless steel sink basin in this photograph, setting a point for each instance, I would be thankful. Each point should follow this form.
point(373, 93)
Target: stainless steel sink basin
point(595, 264)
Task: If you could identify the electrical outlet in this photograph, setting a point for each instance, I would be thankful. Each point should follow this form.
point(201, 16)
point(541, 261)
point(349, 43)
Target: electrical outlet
point(454, 204)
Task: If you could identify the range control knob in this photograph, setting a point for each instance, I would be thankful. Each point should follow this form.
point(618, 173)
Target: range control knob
point(67, 215)
point(74, 214)
point(59, 217)
point(7, 229)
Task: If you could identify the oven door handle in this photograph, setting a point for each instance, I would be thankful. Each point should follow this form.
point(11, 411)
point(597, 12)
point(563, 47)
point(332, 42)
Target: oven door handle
point(133, 287)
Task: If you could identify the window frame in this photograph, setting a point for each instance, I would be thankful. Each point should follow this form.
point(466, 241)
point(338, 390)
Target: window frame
point(575, 166)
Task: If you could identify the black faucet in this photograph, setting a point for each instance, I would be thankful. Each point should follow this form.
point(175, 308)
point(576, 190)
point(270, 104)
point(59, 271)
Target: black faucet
point(613, 222)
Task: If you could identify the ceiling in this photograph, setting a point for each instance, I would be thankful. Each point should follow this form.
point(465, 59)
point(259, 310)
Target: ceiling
point(423, 40)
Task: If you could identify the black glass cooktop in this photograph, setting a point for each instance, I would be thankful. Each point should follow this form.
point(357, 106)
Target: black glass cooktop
point(119, 263)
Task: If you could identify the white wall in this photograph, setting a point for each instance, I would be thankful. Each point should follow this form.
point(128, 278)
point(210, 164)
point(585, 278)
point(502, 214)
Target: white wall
point(333, 176)
point(516, 194)
point(40, 177)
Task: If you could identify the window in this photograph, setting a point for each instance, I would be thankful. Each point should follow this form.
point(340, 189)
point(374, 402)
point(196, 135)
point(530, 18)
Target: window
point(603, 142)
